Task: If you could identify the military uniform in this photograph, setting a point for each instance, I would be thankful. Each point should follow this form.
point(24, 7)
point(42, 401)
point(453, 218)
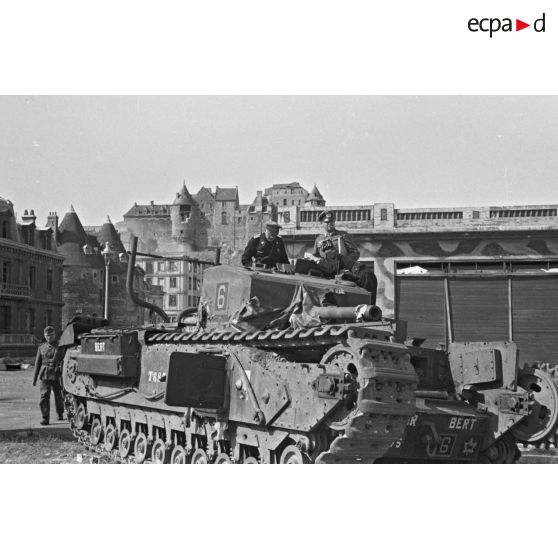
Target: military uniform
point(337, 251)
point(265, 252)
point(47, 370)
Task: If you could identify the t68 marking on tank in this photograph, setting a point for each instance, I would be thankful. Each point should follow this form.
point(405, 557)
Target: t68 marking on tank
point(154, 376)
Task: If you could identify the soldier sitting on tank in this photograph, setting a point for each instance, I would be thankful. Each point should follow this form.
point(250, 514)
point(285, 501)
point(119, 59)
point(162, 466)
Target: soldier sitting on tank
point(336, 253)
point(267, 249)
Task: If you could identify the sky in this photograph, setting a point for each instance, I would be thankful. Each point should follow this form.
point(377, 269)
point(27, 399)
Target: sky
point(103, 153)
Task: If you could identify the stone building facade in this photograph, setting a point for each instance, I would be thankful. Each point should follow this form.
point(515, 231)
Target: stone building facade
point(30, 282)
point(85, 268)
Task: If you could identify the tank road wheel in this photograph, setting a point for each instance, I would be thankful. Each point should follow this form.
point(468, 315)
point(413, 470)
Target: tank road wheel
point(200, 457)
point(80, 417)
point(160, 452)
point(96, 432)
point(110, 437)
point(142, 449)
point(293, 456)
point(251, 461)
point(179, 456)
point(125, 443)
point(544, 407)
point(223, 459)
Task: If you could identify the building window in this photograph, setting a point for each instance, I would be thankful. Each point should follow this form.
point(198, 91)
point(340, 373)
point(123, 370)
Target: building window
point(114, 278)
point(6, 272)
point(148, 267)
point(383, 214)
point(48, 317)
point(476, 214)
point(224, 220)
point(284, 202)
point(30, 320)
point(32, 276)
point(160, 266)
point(172, 300)
point(6, 319)
point(172, 282)
point(172, 266)
point(5, 229)
point(189, 283)
point(49, 280)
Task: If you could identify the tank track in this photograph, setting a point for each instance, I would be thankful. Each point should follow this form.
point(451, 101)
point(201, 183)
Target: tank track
point(269, 339)
point(386, 400)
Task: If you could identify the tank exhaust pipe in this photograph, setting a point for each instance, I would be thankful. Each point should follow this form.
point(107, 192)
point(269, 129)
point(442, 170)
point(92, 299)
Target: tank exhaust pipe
point(130, 283)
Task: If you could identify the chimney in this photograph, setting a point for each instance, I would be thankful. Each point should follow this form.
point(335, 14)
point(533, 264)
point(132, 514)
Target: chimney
point(29, 217)
point(52, 222)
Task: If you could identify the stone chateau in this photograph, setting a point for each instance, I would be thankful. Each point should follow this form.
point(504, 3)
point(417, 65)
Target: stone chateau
point(203, 226)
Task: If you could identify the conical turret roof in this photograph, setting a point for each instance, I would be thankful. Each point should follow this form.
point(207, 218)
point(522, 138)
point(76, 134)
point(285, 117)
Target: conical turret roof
point(109, 234)
point(183, 197)
point(71, 229)
point(315, 194)
point(72, 241)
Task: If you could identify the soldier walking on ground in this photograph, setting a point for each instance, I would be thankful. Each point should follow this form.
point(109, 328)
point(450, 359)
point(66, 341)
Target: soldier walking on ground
point(47, 370)
point(335, 251)
point(266, 249)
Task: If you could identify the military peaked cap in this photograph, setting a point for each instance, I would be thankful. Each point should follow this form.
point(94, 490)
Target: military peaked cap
point(326, 215)
point(273, 225)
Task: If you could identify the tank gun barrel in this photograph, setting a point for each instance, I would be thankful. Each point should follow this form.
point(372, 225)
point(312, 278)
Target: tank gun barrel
point(365, 312)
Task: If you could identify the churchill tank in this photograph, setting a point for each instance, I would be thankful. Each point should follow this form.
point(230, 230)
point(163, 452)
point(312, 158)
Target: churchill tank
point(289, 368)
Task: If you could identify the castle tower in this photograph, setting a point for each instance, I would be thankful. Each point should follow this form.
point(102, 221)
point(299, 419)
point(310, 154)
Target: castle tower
point(315, 199)
point(109, 234)
point(183, 221)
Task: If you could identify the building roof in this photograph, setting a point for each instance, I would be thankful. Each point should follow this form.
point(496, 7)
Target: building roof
point(109, 234)
point(315, 194)
point(71, 229)
point(205, 194)
point(290, 186)
point(148, 210)
point(72, 241)
point(226, 194)
point(183, 197)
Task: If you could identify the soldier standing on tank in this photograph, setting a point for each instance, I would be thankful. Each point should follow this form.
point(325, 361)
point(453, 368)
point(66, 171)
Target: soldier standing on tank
point(335, 251)
point(266, 249)
point(48, 371)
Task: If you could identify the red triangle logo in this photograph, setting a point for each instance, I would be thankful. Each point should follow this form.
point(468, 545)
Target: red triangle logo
point(519, 25)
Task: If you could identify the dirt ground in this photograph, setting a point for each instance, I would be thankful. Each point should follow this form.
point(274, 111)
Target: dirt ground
point(22, 438)
point(37, 448)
